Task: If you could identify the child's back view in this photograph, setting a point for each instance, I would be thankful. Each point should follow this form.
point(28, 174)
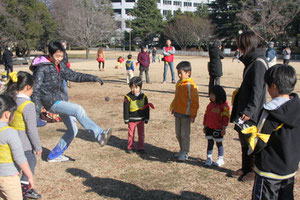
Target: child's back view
point(275, 141)
point(184, 107)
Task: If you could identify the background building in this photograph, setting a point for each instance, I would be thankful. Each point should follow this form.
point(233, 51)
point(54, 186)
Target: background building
point(122, 8)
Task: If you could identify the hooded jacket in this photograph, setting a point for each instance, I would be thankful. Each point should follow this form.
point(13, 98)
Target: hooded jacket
point(279, 157)
point(48, 81)
point(252, 92)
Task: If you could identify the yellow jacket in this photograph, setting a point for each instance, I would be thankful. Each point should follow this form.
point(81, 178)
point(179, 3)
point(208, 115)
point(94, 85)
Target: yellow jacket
point(186, 99)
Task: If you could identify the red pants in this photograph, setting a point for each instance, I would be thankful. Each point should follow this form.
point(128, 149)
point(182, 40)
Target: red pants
point(131, 130)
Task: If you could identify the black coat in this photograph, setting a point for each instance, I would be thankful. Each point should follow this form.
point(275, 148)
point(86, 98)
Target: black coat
point(215, 64)
point(48, 82)
point(7, 57)
point(252, 92)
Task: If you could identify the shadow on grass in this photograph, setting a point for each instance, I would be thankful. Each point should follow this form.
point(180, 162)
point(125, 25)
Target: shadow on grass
point(45, 153)
point(112, 188)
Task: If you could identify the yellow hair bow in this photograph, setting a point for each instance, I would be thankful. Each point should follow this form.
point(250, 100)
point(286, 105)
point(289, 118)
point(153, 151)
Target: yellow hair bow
point(13, 76)
point(254, 136)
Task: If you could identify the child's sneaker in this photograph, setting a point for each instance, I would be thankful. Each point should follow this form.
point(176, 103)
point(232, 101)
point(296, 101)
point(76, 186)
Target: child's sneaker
point(105, 137)
point(219, 162)
point(60, 158)
point(32, 194)
point(208, 162)
point(183, 157)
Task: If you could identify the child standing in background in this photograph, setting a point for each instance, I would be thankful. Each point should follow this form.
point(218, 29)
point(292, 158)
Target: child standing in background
point(184, 107)
point(119, 62)
point(11, 153)
point(129, 68)
point(215, 122)
point(20, 87)
point(136, 113)
point(100, 58)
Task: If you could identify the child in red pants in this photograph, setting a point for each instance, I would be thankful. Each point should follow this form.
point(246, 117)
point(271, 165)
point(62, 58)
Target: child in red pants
point(136, 113)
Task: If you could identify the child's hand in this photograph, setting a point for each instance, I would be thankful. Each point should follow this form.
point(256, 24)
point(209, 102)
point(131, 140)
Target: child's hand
point(192, 119)
point(39, 153)
point(223, 132)
point(172, 111)
point(204, 130)
point(245, 117)
point(31, 182)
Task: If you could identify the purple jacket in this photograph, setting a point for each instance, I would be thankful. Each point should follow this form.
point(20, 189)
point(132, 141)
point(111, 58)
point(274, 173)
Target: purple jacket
point(144, 59)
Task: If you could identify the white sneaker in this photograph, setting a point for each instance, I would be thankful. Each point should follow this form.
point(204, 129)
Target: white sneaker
point(219, 162)
point(183, 157)
point(60, 158)
point(208, 162)
point(105, 137)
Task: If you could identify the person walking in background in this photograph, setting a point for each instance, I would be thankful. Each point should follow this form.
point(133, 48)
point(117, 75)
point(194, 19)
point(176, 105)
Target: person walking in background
point(184, 107)
point(250, 97)
point(129, 68)
point(144, 61)
point(236, 55)
point(271, 55)
point(7, 60)
point(168, 52)
point(286, 54)
point(215, 64)
point(100, 58)
point(153, 54)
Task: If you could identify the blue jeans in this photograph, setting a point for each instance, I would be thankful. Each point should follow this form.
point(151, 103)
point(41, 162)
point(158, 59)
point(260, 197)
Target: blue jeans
point(68, 112)
point(153, 59)
point(167, 65)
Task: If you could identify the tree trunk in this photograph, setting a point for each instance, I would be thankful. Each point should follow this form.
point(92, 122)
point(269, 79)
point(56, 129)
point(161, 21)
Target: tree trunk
point(87, 51)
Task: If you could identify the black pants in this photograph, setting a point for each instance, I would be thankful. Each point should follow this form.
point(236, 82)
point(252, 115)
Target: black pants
point(8, 68)
point(146, 70)
point(286, 61)
point(271, 189)
point(100, 65)
point(213, 80)
point(247, 160)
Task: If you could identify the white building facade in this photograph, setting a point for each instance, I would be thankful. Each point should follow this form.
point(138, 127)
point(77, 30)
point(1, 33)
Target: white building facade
point(122, 8)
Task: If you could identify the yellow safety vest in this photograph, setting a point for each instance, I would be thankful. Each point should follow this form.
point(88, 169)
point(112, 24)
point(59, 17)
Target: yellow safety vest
point(5, 151)
point(18, 121)
point(136, 104)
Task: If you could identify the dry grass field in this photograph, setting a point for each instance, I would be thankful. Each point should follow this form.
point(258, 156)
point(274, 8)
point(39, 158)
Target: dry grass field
point(110, 173)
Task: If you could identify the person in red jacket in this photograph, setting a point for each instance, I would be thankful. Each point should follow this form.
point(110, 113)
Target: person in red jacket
point(168, 52)
point(144, 61)
point(215, 122)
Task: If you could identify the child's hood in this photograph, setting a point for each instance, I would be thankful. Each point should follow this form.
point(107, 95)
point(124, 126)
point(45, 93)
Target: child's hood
point(37, 61)
point(189, 80)
point(285, 111)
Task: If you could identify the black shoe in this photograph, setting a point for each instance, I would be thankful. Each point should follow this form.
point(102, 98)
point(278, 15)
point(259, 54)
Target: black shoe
point(130, 151)
point(33, 194)
point(141, 151)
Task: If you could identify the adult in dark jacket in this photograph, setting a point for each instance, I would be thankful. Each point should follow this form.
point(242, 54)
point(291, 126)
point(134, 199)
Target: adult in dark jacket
point(144, 60)
point(215, 64)
point(7, 60)
point(49, 73)
point(251, 96)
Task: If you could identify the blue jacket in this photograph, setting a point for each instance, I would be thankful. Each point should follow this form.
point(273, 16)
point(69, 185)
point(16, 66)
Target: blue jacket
point(129, 65)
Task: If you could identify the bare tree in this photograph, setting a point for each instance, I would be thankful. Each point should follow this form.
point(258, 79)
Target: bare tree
point(84, 22)
point(268, 18)
point(188, 29)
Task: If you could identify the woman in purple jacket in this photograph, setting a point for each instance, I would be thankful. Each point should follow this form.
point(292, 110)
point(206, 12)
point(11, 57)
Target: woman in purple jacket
point(144, 60)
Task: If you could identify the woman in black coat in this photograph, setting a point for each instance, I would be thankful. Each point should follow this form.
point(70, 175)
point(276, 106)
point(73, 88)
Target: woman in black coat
point(215, 64)
point(251, 96)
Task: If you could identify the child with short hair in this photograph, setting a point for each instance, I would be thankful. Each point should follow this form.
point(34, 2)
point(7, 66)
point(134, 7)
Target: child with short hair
point(11, 153)
point(184, 107)
point(129, 68)
point(20, 87)
point(215, 122)
point(119, 62)
point(136, 114)
point(275, 140)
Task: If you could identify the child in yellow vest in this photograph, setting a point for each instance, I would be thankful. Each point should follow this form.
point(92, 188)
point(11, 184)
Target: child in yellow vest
point(184, 107)
point(20, 87)
point(136, 113)
point(11, 153)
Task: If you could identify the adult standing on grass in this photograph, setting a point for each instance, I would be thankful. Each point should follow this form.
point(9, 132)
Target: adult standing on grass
point(153, 54)
point(271, 54)
point(144, 61)
point(215, 64)
point(7, 60)
point(168, 52)
point(251, 96)
point(49, 72)
point(286, 54)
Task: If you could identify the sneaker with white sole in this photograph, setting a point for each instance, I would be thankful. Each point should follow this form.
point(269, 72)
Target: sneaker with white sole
point(208, 162)
point(60, 158)
point(105, 137)
point(183, 157)
point(219, 162)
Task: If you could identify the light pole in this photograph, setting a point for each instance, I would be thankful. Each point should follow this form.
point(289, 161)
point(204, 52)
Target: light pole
point(129, 16)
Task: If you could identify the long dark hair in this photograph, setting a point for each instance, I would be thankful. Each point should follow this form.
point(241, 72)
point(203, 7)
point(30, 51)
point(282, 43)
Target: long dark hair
point(7, 103)
point(247, 42)
point(24, 78)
